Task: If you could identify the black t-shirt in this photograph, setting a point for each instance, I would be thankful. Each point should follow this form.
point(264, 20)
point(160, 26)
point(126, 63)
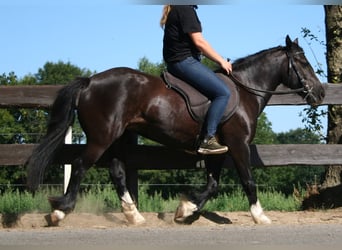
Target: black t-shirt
point(177, 44)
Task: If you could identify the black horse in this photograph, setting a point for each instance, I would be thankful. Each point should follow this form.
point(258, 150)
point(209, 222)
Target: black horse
point(122, 99)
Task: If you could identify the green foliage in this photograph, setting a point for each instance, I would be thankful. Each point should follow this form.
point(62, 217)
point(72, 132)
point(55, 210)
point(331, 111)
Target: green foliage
point(278, 201)
point(102, 199)
point(170, 182)
point(297, 136)
point(12, 175)
point(312, 117)
point(309, 37)
point(228, 202)
point(9, 129)
point(210, 64)
point(264, 133)
point(97, 175)
point(19, 125)
point(237, 201)
point(16, 202)
point(59, 73)
point(282, 179)
point(148, 67)
point(10, 79)
point(98, 199)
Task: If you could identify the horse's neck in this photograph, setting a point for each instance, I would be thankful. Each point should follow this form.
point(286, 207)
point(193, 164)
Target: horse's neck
point(264, 72)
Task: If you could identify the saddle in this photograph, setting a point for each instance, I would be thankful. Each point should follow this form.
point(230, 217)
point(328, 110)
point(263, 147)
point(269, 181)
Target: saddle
point(196, 102)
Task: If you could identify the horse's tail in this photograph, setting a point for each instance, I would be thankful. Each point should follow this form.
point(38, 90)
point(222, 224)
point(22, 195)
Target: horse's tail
point(61, 117)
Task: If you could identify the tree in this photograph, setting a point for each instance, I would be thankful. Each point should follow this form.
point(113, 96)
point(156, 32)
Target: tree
point(264, 133)
point(333, 24)
point(298, 136)
point(328, 194)
point(148, 67)
point(20, 125)
point(10, 79)
point(59, 73)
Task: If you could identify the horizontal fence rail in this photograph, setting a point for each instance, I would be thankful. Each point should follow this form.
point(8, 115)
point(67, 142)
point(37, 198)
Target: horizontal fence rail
point(159, 157)
point(33, 96)
point(152, 157)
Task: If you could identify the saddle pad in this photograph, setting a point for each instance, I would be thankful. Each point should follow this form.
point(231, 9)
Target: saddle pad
point(197, 103)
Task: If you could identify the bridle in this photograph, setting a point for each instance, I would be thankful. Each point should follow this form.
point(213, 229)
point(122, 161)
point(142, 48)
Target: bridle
point(291, 67)
point(306, 88)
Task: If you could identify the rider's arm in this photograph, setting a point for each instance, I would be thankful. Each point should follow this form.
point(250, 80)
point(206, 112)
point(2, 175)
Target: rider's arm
point(208, 51)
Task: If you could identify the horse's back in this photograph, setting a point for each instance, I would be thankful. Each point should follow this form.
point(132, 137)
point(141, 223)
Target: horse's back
point(122, 75)
point(120, 88)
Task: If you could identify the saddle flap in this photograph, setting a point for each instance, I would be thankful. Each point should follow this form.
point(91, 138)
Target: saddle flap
point(192, 95)
point(196, 102)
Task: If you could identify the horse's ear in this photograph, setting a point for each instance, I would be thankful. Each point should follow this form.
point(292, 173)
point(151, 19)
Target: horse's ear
point(288, 42)
point(296, 41)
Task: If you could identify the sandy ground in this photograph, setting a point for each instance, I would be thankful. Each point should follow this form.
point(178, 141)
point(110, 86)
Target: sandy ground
point(112, 220)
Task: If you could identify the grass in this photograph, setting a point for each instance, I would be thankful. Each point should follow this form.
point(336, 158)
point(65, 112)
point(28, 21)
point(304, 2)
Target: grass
point(98, 199)
point(15, 202)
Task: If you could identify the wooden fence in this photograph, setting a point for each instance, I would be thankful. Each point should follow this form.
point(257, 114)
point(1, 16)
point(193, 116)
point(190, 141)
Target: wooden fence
point(157, 157)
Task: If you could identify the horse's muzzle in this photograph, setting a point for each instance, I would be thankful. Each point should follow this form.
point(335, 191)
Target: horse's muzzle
point(315, 97)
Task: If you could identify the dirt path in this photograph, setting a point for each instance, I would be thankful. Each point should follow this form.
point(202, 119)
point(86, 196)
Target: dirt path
point(295, 230)
point(113, 220)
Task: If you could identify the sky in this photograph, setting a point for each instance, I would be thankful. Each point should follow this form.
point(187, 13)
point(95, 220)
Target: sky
point(102, 34)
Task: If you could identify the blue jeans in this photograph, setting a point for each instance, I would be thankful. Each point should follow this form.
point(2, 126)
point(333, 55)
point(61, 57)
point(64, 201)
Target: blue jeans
point(209, 84)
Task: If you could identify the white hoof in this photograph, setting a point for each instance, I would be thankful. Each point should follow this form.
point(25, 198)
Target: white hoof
point(55, 217)
point(60, 215)
point(184, 210)
point(131, 213)
point(258, 214)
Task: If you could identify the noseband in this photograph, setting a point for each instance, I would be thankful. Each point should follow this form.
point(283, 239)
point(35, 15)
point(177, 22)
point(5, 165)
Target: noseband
point(306, 88)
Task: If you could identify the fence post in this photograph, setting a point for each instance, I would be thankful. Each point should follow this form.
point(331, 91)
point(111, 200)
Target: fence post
point(67, 167)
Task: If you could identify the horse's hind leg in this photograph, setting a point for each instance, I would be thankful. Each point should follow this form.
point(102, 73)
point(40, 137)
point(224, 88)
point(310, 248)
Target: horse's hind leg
point(66, 203)
point(194, 203)
point(118, 176)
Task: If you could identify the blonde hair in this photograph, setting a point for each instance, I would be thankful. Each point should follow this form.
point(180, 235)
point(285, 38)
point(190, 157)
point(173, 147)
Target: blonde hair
point(166, 11)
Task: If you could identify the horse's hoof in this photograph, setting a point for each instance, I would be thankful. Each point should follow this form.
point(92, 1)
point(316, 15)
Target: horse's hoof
point(132, 214)
point(54, 218)
point(262, 220)
point(258, 214)
point(184, 210)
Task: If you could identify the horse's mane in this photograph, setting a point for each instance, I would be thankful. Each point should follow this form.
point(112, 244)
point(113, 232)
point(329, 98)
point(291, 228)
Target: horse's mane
point(245, 62)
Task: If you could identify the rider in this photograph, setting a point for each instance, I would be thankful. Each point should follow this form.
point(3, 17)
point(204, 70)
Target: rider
point(183, 45)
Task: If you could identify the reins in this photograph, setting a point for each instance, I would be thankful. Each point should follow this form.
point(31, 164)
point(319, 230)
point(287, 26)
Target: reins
point(279, 92)
point(253, 90)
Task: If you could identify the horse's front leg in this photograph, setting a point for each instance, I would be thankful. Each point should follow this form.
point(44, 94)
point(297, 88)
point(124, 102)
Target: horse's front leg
point(189, 205)
point(118, 176)
point(241, 157)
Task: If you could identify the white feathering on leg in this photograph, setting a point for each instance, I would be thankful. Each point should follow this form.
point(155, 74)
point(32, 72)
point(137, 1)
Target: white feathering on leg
point(131, 213)
point(127, 198)
point(130, 210)
point(60, 215)
point(258, 214)
point(185, 209)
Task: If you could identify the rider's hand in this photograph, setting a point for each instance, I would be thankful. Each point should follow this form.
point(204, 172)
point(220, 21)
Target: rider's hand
point(227, 66)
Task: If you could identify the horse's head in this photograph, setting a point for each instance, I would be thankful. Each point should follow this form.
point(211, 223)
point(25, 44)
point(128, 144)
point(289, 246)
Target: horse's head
point(300, 74)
